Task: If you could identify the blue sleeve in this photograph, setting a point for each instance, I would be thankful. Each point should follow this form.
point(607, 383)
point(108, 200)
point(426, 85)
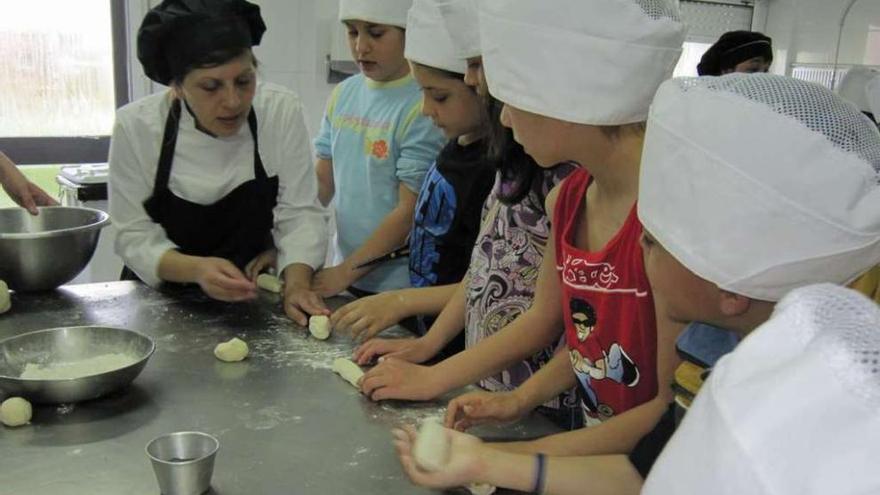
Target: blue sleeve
point(420, 143)
point(323, 142)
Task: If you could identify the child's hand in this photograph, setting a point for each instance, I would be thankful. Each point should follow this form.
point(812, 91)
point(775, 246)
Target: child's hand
point(367, 316)
point(263, 260)
point(331, 281)
point(398, 379)
point(300, 303)
point(410, 350)
point(475, 408)
point(466, 460)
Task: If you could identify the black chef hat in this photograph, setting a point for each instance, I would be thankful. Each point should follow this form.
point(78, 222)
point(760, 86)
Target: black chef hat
point(180, 34)
point(732, 48)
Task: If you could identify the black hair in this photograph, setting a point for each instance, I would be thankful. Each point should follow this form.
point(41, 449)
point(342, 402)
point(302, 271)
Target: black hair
point(519, 171)
point(211, 59)
point(580, 306)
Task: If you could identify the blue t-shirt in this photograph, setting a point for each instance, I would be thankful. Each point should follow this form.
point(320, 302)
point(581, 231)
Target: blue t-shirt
point(377, 139)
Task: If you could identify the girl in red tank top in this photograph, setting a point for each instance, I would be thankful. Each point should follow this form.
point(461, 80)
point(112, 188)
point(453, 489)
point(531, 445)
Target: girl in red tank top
point(607, 309)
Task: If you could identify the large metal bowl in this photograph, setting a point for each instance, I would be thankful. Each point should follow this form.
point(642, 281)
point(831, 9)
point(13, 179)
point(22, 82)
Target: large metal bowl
point(44, 251)
point(65, 345)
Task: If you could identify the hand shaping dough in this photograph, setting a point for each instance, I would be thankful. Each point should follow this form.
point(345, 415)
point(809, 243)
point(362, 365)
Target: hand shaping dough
point(234, 350)
point(15, 412)
point(431, 448)
point(346, 368)
point(269, 282)
point(5, 302)
point(319, 327)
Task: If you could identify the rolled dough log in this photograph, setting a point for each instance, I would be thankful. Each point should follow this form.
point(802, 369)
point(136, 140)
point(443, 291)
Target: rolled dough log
point(431, 448)
point(233, 350)
point(347, 369)
point(319, 327)
point(15, 411)
point(5, 301)
point(269, 282)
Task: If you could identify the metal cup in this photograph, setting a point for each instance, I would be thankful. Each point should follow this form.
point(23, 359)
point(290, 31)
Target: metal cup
point(183, 462)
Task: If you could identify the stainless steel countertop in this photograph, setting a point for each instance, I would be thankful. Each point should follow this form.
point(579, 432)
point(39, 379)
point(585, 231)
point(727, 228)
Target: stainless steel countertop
point(286, 423)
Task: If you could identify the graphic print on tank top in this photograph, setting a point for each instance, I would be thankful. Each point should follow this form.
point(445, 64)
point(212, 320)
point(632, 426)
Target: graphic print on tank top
point(608, 311)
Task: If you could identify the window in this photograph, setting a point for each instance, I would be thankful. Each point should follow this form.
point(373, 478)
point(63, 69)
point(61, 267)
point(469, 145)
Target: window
point(63, 74)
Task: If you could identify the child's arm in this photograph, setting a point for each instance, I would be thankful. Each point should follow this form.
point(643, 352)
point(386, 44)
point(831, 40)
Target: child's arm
point(479, 407)
point(326, 186)
point(620, 434)
point(471, 461)
point(536, 328)
point(388, 236)
point(367, 316)
point(445, 328)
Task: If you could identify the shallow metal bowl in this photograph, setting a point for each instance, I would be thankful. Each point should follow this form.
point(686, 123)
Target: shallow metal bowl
point(47, 250)
point(71, 344)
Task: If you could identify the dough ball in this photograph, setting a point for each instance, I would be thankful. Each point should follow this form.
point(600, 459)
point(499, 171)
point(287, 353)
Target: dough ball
point(15, 412)
point(431, 448)
point(349, 370)
point(481, 489)
point(319, 327)
point(5, 301)
point(269, 283)
point(233, 350)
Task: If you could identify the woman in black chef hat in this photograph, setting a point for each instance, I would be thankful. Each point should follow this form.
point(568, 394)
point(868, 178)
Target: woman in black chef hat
point(211, 181)
point(737, 51)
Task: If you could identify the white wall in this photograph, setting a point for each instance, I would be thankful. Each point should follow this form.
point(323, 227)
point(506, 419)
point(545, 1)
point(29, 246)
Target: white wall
point(805, 31)
point(292, 51)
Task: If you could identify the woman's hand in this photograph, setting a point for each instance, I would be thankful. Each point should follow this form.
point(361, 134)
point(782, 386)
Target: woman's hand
point(331, 281)
point(222, 280)
point(476, 408)
point(465, 464)
point(266, 259)
point(410, 350)
point(367, 316)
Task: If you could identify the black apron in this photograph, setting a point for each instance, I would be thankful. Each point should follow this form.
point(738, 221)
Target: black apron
point(237, 227)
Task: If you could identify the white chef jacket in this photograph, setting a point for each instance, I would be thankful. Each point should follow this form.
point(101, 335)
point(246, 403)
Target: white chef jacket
point(206, 168)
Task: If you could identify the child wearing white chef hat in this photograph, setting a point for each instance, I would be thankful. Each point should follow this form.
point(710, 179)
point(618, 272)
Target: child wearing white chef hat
point(563, 101)
point(500, 281)
point(447, 213)
point(374, 149)
point(793, 409)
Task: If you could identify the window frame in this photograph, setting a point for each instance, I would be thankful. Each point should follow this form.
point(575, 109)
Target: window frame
point(79, 149)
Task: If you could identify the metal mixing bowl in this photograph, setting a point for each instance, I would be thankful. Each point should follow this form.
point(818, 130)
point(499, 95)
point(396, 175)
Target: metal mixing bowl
point(65, 345)
point(44, 251)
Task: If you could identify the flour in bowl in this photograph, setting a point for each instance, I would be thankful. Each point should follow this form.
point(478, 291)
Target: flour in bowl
point(77, 369)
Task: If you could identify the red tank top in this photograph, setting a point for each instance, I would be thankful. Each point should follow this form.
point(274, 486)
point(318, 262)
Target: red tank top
point(608, 309)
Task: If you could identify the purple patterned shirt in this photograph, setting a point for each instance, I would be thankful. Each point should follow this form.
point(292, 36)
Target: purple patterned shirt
point(504, 270)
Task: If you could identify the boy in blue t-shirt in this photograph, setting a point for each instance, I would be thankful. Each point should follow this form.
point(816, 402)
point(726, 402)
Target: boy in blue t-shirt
point(374, 149)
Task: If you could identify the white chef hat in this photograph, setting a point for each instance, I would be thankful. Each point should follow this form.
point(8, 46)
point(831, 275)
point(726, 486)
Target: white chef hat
point(595, 62)
point(462, 19)
point(792, 411)
point(873, 91)
point(391, 12)
point(854, 86)
point(427, 41)
point(761, 183)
